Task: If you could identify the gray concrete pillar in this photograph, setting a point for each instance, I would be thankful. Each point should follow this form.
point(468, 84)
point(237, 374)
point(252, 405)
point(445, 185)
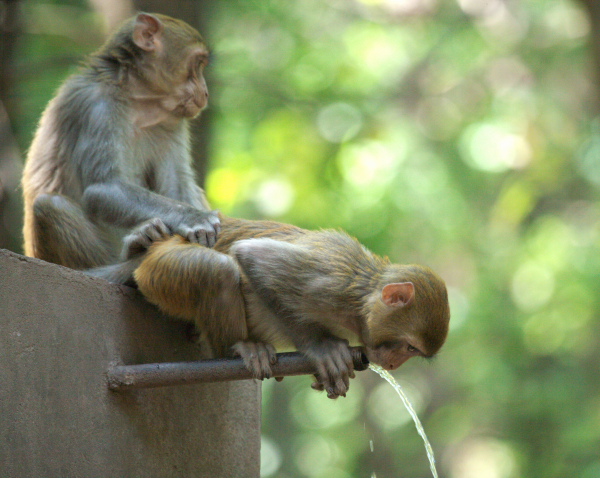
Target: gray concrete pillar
point(59, 332)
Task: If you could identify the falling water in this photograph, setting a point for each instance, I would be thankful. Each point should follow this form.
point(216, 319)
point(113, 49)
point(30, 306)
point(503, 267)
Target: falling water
point(386, 375)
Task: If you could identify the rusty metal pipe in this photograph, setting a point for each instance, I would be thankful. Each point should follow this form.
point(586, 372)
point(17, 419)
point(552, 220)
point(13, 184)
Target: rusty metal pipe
point(126, 377)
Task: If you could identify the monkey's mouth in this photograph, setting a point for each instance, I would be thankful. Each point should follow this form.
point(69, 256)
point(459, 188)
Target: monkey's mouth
point(192, 107)
point(197, 104)
point(190, 112)
point(381, 359)
point(373, 356)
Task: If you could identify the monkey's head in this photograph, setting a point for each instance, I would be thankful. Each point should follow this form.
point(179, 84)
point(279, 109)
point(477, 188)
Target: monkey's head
point(167, 57)
point(407, 316)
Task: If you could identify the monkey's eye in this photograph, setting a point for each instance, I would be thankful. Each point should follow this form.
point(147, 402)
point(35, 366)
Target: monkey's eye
point(197, 65)
point(411, 349)
point(203, 61)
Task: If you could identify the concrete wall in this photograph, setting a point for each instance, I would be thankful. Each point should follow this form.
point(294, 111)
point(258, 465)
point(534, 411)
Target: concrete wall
point(59, 332)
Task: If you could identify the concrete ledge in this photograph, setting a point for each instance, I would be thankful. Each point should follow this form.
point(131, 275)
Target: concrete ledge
point(59, 332)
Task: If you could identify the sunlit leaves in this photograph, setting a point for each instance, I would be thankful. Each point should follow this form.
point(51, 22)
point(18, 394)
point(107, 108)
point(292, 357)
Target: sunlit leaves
point(449, 133)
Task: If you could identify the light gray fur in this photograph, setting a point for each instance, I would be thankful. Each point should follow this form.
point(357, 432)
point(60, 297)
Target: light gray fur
point(92, 175)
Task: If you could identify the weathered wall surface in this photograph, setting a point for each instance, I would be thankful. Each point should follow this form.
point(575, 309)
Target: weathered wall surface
point(59, 332)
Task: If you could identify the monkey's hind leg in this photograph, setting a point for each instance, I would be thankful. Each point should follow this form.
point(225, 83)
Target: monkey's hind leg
point(198, 284)
point(59, 232)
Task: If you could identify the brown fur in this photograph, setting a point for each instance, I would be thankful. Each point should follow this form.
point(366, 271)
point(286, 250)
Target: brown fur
point(179, 277)
point(299, 287)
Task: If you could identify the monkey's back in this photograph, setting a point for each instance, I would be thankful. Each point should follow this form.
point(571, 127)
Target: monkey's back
point(233, 229)
point(331, 247)
point(51, 166)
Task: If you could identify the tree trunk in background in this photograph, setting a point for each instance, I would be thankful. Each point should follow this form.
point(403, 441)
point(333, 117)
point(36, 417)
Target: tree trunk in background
point(197, 13)
point(10, 29)
point(113, 12)
point(593, 8)
point(10, 160)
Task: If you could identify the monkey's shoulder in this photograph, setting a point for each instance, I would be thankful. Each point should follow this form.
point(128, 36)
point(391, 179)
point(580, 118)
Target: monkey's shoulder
point(81, 99)
point(332, 240)
point(234, 229)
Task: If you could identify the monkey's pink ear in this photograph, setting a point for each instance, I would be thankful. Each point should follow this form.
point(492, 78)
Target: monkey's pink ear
point(399, 294)
point(146, 32)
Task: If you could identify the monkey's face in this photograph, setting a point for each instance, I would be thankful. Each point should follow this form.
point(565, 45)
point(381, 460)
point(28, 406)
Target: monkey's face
point(171, 63)
point(188, 95)
point(390, 355)
point(189, 99)
point(406, 320)
point(391, 338)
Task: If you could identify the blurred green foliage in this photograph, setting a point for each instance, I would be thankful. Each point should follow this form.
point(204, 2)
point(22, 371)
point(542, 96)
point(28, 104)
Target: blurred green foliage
point(460, 134)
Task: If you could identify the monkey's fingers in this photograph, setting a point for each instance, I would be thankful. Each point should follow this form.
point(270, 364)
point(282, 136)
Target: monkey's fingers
point(348, 363)
point(340, 376)
point(317, 385)
point(341, 367)
point(334, 380)
point(205, 230)
point(320, 386)
point(257, 357)
point(204, 234)
point(272, 355)
point(215, 221)
point(198, 235)
point(159, 229)
point(140, 239)
point(334, 366)
point(155, 230)
point(321, 383)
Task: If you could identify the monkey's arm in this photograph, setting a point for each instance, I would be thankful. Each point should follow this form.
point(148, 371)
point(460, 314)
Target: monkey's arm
point(175, 179)
point(285, 277)
point(126, 205)
point(97, 144)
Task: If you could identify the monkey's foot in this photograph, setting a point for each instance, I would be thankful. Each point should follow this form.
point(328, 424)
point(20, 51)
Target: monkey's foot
point(258, 357)
point(334, 365)
point(141, 238)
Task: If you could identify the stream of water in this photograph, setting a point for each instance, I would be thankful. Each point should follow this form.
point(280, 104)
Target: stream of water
point(387, 376)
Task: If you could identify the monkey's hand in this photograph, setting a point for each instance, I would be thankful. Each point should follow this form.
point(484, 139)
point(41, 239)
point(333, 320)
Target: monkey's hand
point(334, 365)
point(140, 239)
point(201, 227)
point(258, 357)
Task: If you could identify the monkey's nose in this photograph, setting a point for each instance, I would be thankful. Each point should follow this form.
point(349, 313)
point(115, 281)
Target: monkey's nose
point(200, 102)
point(397, 363)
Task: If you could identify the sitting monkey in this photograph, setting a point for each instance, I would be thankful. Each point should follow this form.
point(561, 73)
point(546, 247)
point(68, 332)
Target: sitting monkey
point(112, 149)
point(267, 284)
